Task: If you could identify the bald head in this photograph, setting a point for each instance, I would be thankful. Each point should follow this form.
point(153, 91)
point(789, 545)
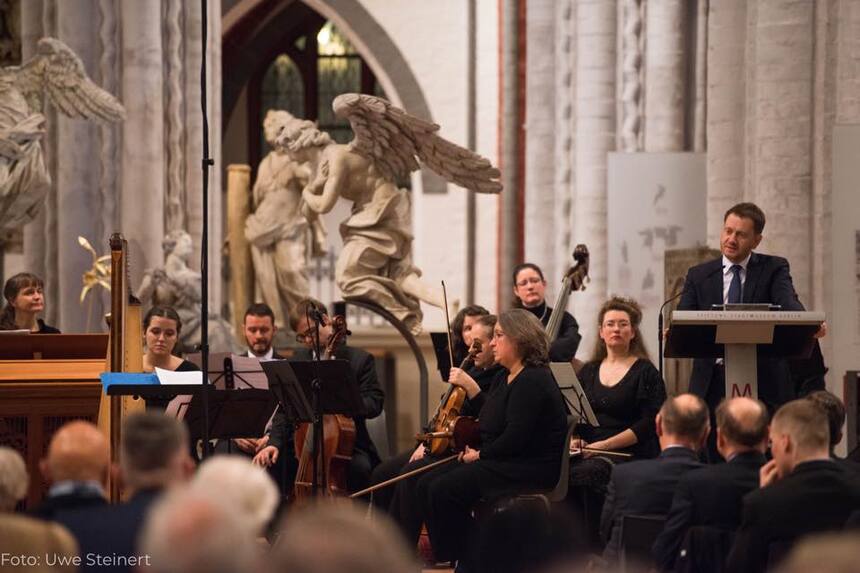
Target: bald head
point(683, 420)
point(78, 452)
point(741, 426)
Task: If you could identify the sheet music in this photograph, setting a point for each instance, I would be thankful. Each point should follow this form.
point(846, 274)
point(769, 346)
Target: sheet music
point(574, 395)
point(15, 332)
point(169, 377)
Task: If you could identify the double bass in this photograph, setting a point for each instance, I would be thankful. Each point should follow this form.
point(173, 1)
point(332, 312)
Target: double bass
point(335, 453)
point(574, 279)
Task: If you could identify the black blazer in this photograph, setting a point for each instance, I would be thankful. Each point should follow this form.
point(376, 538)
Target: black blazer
point(52, 505)
point(711, 496)
point(362, 365)
point(768, 280)
point(818, 496)
point(643, 487)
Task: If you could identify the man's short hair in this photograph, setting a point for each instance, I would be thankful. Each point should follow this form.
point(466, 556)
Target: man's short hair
point(150, 440)
point(683, 421)
point(748, 211)
point(749, 433)
point(488, 321)
point(13, 478)
point(805, 422)
point(835, 411)
point(300, 311)
point(260, 309)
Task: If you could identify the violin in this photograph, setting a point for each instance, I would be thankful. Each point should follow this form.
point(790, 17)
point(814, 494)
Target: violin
point(335, 453)
point(448, 430)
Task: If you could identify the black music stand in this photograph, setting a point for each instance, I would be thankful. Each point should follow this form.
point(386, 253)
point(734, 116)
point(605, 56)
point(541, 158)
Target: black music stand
point(232, 413)
point(440, 349)
point(228, 370)
point(307, 390)
point(572, 392)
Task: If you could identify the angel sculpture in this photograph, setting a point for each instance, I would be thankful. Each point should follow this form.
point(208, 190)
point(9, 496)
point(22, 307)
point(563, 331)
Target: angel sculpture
point(376, 261)
point(56, 72)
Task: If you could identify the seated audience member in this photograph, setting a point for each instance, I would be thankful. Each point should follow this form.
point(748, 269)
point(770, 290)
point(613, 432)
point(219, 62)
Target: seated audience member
point(827, 553)
point(246, 488)
point(77, 467)
point(25, 299)
point(192, 530)
point(802, 490)
point(154, 456)
point(646, 487)
point(713, 495)
point(24, 536)
point(333, 538)
point(835, 411)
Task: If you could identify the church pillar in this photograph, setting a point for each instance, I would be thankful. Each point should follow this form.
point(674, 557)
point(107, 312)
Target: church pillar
point(665, 65)
point(563, 132)
point(595, 138)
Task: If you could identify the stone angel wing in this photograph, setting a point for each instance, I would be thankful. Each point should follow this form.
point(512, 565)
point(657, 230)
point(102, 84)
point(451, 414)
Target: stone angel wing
point(392, 139)
point(57, 72)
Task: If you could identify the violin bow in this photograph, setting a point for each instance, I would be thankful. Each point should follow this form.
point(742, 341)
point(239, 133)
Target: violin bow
point(448, 323)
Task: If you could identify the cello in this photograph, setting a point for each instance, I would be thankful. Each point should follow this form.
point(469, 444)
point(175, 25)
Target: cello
point(335, 453)
point(574, 279)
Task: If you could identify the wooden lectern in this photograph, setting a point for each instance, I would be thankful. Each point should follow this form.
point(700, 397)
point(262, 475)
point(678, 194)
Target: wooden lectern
point(740, 337)
point(46, 380)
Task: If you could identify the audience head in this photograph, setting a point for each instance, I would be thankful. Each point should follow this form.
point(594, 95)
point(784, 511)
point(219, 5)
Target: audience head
point(302, 321)
point(529, 285)
point(193, 531)
point(24, 296)
point(13, 478)
point(243, 486)
point(259, 328)
point(835, 411)
point(161, 328)
point(618, 329)
point(742, 227)
point(799, 433)
point(78, 452)
point(741, 426)
point(461, 326)
point(824, 553)
point(519, 337)
point(683, 420)
point(331, 538)
point(154, 451)
point(483, 333)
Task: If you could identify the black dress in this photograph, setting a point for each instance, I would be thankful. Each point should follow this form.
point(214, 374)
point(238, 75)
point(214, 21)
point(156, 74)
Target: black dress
point(564, 347)
point(45, 329)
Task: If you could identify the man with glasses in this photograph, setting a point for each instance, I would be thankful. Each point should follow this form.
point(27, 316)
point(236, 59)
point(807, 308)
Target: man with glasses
point(365, 456)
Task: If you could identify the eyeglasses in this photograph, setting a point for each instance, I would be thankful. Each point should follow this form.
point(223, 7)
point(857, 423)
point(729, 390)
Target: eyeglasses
point(306, 336)
point(532, 280)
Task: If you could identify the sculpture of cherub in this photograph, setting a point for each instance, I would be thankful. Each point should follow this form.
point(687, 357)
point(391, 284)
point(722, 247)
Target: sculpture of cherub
point(376, 261)
point(55, 73)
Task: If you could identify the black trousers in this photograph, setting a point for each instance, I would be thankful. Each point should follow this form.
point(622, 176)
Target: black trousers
point(360, 469)
point(390, 468)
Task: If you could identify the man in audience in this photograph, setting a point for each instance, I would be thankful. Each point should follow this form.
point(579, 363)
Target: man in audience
point(713, 495)
point(77, 467)
point(191, 530)
point(802, 490)
point(23, 537)
point(154, 457)
point(646, 487)
point(835, 411)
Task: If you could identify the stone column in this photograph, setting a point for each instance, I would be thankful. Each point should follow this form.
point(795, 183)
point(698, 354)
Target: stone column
point(540, 139)
point(565, 81)
point(665, 69)
point(595, 138)
point(143, 156)
point(726, 85)
point(631, 77)
point(77, 180)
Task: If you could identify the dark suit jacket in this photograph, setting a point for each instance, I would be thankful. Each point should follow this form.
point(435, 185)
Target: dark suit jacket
point(108, 530)
point(642, 487)
point(52, 505)
point(364, 369)
point(818, 496)
point(711, 496)
point(767, 281)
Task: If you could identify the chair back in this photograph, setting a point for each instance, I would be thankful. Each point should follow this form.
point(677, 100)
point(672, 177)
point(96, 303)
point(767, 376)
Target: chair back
point(704, 548)
point(638, 534)
point(559, 492)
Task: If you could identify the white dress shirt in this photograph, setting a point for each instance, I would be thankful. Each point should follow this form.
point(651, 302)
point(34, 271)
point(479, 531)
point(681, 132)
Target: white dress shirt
point(265, 357)
point(728, 274)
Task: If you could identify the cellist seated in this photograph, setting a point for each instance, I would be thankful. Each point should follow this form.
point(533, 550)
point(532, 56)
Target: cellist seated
point(365, 456)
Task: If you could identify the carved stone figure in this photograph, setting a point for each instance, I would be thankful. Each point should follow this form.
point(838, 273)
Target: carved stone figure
point(57, 73)
point(277, 231)
point(178, 286)
point(376, 261)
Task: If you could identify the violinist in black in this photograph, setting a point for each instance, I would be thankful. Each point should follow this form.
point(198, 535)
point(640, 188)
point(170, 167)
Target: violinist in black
point(530, 291)
point(477, 381)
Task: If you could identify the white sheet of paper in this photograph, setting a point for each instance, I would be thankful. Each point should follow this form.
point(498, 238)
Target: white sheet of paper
point(168, 377)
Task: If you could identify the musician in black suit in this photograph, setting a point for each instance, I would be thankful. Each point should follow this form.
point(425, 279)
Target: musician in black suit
point(802, 490)
point(646, 487)
point(741, 276)
point(530, 290)
point(713, 495)
point(363, 369)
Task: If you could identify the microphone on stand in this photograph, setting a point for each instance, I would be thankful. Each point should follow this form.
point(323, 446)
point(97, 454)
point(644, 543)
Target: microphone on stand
point(687, 287)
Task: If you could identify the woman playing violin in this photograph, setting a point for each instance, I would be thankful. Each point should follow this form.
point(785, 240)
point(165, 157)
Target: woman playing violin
point(530, 292)
point(461, 330)
point(523, 427)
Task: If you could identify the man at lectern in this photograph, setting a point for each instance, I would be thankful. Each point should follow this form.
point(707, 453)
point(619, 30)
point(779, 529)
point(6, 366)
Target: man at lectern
point(741, 276)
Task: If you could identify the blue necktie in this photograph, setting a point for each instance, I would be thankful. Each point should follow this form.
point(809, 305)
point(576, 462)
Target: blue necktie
point(735, 286)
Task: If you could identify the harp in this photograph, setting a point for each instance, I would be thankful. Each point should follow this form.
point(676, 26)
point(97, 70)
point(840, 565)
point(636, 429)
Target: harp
point(125, 350)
